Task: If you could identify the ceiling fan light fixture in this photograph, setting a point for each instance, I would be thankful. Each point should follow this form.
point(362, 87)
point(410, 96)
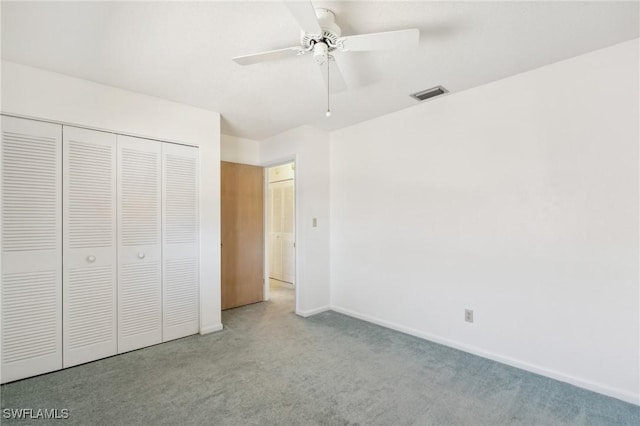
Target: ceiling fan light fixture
point(429, 93)
point(320, 53)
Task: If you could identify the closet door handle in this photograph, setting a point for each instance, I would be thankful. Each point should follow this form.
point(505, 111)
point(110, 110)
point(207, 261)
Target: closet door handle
point(91, 258)
point(141, 255)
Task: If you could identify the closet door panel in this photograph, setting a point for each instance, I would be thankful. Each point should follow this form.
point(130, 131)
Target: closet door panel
point(31, 171)
point(180, 269)
point(288, 258)
point(275, 243)
point(288, 231)
point(139, 243)
point(275, 256)
point(282, 233)
point(89, 245)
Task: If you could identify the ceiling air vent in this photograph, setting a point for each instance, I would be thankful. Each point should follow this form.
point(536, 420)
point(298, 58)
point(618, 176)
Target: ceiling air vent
point(429, 93)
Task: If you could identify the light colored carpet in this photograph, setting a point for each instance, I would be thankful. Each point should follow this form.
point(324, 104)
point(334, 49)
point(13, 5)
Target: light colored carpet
point(270, 367)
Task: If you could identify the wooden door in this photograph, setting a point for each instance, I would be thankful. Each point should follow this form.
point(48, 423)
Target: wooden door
point(242, 221)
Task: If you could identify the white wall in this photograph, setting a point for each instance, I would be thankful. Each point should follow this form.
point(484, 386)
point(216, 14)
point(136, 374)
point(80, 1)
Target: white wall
point(309, 147)
point(517, 199)
point(36, 93)
point(239, 150)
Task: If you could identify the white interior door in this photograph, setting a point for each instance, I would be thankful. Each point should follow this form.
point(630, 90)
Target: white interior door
point(275, 238)
point(288, 235)
point(282, 231)
point(89, 245)
point(31, 248)
point(180, 241)
point(139, 243)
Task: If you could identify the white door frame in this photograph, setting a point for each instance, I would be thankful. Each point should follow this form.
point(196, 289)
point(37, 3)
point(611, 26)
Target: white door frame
point(267, 202)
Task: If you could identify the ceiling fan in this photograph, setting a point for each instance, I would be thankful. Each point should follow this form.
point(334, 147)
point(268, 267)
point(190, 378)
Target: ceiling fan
point(321, 36)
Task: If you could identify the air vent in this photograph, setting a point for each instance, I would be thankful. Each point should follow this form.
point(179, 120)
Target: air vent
point(429, 93)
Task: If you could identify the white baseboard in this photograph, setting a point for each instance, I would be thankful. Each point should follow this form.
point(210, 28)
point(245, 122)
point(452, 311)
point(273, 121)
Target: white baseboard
point(210, 329)
point(311, 312)
point(576, 381)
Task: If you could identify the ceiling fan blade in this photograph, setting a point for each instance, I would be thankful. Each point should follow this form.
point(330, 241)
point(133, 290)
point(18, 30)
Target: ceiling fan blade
point(305, 14)
point(402, 39)
point(336, 81)
point(269, 55)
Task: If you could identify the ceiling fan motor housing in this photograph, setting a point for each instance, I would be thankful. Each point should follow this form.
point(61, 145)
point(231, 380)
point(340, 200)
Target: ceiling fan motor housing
point(330, 32)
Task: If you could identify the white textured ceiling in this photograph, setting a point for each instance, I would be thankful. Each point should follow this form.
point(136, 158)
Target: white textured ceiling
point(182, 51)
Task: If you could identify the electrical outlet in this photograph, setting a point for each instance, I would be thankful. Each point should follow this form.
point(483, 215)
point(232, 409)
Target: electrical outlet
point(468, 315)
point(314, 222)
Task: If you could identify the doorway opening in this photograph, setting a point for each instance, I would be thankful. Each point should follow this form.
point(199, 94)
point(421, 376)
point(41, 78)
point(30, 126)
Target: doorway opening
point(280, 230)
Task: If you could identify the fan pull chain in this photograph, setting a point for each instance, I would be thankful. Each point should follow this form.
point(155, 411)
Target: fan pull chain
point(328, 114)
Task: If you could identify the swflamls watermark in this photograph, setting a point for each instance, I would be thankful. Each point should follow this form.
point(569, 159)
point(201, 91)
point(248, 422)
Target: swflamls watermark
point(35, 413)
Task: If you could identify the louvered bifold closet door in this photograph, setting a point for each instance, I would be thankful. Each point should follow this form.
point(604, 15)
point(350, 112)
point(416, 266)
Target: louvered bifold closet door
point(31, 248)
point(139, 243)
point(288, 231)
point(275, 236)
point(180, 238)
point(89, 245)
